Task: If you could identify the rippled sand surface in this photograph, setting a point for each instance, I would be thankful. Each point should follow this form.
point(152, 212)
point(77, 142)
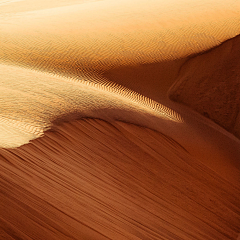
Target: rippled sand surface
point(91, 146)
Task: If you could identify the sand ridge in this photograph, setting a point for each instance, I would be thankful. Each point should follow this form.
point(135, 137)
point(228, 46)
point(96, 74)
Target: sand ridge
point(70, 99)
point(110, 156)
point(99, 47)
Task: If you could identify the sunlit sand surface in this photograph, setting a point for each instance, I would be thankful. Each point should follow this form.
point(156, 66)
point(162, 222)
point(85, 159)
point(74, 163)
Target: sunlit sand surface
point(91, 146)
point(31, 101)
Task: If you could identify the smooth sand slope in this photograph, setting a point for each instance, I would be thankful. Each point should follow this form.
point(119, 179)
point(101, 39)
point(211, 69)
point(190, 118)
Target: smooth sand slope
point(110, 156)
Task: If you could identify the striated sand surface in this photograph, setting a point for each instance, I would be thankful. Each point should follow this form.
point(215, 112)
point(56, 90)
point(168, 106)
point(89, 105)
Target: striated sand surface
point(90, 179)
point(91, 147)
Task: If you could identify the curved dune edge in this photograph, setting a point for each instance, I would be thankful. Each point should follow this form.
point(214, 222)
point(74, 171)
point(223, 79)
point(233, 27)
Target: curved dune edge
point(210, 84)
point(101, 47)
point(91, 179)
point(33, 101)
point(107, 99)
point(175, 176)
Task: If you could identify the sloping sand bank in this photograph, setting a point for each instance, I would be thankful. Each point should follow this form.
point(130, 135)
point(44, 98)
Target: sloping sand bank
point(210, 84)
point(90, 179)
point(90, 145)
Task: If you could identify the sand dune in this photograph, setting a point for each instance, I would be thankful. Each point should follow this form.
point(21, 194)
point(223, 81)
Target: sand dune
point(95, 180)
point(96, 36)
point(91, 147)
point(32, 102)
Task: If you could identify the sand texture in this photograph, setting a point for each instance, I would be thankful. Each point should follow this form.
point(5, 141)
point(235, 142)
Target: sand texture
point(210, 84)
point(90, 179)
point(92, 145)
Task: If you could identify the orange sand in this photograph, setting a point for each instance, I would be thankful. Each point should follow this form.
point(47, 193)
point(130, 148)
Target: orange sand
point(90, 179)
point(91, 147)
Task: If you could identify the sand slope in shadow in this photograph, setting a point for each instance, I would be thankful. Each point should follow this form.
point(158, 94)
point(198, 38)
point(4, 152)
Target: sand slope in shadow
point(210, 84)
point(90, 179)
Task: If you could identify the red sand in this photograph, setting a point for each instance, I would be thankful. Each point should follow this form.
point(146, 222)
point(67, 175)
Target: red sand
point(164, 171)
point(90, 179)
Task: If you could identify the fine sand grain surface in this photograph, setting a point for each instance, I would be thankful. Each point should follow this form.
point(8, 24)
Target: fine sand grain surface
point(91, 145)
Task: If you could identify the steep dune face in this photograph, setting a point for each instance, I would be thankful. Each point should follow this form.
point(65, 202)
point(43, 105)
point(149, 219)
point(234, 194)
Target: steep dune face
point(90, 179)
point(210, 84)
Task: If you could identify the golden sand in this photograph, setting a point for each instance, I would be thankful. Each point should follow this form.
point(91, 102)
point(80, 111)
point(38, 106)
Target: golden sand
point(91, 147)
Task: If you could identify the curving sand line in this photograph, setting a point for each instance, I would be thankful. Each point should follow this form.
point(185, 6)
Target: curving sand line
point(175, 176)
point(97, 47)
point(99, 52)
point(34, 101)
point(31, 101)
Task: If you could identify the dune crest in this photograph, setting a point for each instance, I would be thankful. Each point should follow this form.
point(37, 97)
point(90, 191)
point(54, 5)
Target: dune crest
point(68, 41)
point(91, 147)
point(32, 101)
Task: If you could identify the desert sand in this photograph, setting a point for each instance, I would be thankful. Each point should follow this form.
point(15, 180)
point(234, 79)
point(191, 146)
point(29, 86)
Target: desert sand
point(119, 119)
